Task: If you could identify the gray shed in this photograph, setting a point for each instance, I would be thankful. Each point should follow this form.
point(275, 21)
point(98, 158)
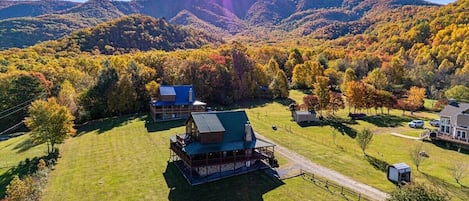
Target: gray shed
point(304, 116)
point(399, 173)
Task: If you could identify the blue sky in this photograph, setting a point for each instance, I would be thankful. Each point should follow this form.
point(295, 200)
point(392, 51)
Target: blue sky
point(434, 1)
point(442, 1)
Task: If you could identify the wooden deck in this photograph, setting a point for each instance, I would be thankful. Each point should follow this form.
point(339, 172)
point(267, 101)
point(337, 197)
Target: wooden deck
point(451, 139)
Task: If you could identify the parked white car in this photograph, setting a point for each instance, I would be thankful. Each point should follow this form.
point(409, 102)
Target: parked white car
point(416, 124)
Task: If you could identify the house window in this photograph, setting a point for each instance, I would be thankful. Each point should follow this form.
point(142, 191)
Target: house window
point(446, 129)
point(442, 129)
point(463, 134)
point(458, 134)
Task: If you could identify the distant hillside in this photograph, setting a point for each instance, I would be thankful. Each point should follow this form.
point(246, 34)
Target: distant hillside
point(14, 31)
point(11, 9)
point(137, 32)
point(322, 18)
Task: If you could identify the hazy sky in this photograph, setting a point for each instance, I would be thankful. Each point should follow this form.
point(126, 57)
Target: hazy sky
point(434, 1)
point(442, 1)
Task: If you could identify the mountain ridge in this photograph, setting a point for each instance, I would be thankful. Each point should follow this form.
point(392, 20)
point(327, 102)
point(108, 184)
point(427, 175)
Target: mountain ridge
point(298, 17)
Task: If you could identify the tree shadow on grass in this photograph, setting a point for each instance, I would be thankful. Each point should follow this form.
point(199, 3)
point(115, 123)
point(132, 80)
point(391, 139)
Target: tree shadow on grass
point(24, 168)
point(449, 146)
point(106, 124)
point(377, 163)
point(341, 125)
point(24, 146)
point(251, 186)
point(161, 126)
point(388, 120)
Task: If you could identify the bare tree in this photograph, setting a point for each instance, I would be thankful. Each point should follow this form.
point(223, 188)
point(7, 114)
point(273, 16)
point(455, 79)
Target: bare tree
point(458, 171)
point(364, 138)
point(417, 155)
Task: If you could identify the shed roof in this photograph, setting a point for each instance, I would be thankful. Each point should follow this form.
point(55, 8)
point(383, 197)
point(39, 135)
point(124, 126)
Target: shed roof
point(305, 113)
point(182, 93)
point(401, 166)
point(233, 123)
point(208, 123)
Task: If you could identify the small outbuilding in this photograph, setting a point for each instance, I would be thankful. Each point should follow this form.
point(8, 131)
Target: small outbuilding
point(399, 173)
point(304, 116)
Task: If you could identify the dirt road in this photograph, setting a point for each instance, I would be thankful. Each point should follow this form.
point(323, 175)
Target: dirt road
point(301, 162)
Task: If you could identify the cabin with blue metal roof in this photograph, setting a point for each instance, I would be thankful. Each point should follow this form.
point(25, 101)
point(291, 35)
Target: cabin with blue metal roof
point(218, 145)
point(175, 102)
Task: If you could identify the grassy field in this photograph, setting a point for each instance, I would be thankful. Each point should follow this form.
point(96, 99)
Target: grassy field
point(316, 142)
point(15, 155)
point(126, 160)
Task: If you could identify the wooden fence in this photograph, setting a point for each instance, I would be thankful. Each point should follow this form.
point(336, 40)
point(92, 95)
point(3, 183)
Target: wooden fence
point(345, 192)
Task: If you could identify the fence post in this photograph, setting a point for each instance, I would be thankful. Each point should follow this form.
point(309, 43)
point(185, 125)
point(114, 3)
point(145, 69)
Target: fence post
point(359, 196)
point(342, 190)
point(327, 182)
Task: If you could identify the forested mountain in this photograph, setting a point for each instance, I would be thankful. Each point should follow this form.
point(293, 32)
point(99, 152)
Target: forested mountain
point(324, 18)
point(137, 32)
point(14, 31)
point(10, 9)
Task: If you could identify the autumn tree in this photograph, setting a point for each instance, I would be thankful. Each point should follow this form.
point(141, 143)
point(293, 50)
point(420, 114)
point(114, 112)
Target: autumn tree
point(49, 122)
point(349, 76)
point(17, 190)
point(321, 90)
point(355, 93)
point(311, 102)
point(279, 86)
point(458, 92)
point(302, 76)
point(123, 97)
point(336, 102)
point(95, 99)
point(377, 79)
point(316, 70)
point(364, 138)
point(152, 89)
point(68, 97)
point(416, 98)
point(395, 70)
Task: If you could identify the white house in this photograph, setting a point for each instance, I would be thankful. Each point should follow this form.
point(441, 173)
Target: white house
point(454, 120)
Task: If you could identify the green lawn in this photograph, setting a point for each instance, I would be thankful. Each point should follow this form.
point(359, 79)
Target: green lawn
point(121, 160)
point(316, 143)
point(14, 151)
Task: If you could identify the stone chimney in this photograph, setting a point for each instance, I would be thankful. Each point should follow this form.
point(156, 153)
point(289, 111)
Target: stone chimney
point(248, 132)
point(190, 95)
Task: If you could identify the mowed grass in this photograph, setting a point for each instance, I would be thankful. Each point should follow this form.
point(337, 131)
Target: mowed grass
point(12, 152)
point(119, 159)
point(316, 142)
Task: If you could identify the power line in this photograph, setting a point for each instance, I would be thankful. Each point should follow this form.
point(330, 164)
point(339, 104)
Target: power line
point(12, 108)
point(22, 108)
point(19, 105)
point(11, 128)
